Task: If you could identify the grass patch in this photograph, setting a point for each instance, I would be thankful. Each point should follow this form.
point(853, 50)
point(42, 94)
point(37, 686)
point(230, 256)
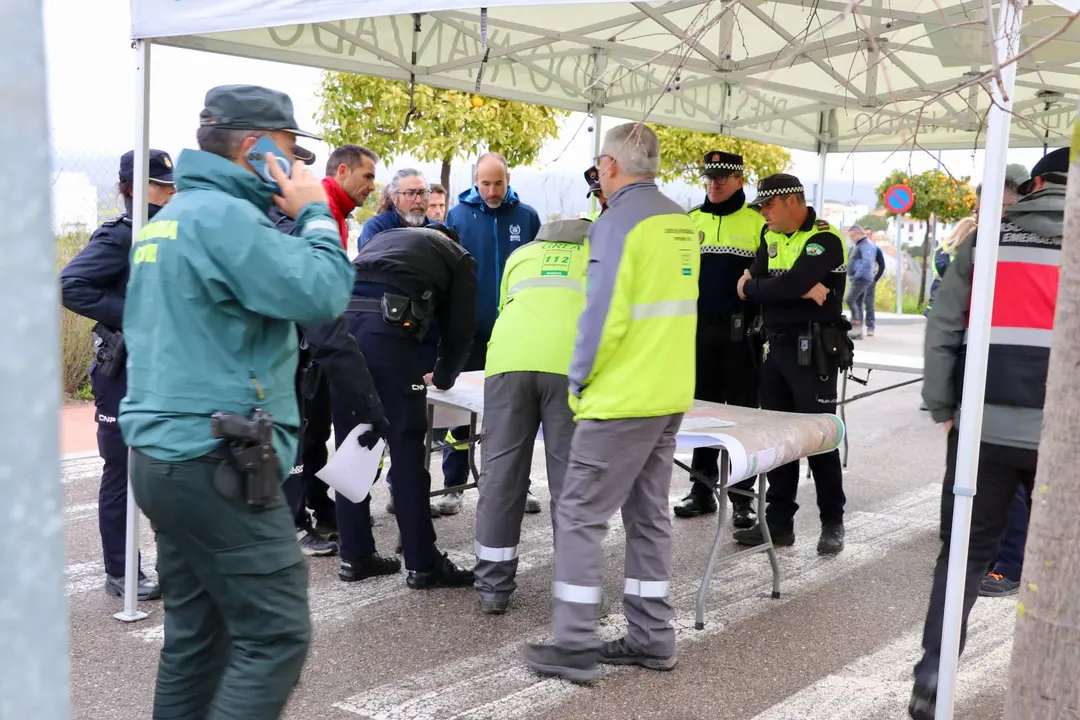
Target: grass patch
point(76, 345)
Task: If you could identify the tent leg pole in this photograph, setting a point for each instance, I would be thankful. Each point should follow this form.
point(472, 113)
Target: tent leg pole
point(598, 141)
point(34, 617)
point(131, 612)
point(982, 297)
point(819, 201)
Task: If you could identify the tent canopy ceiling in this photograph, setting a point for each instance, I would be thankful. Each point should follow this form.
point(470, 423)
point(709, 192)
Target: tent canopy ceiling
point(804, 74)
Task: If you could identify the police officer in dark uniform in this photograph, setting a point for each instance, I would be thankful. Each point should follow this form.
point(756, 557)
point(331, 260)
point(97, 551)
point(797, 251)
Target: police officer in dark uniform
point(404, 278)
point(93, 285)
point(329, 356)
point(798, 278)
point(727, 369)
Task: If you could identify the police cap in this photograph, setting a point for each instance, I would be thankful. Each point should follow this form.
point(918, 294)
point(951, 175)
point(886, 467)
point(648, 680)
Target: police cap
point(718, 163)
point(778, 184)
point(592, 176)
point(161, 167)
point(253, 107)
point(1054, 166)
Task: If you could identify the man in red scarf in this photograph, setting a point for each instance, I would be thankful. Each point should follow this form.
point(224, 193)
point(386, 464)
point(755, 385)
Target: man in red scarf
point(350, 178)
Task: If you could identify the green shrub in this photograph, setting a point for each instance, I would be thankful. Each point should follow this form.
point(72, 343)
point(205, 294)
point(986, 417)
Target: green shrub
point(76, 345)
point(885, 298)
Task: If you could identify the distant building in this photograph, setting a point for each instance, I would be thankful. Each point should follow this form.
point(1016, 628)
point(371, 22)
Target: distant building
point(842, 215)
point(74, 203)
point(912, 232)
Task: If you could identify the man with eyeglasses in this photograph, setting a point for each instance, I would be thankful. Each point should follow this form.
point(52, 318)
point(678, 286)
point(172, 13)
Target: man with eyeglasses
point(727, 369)
point(405, 204)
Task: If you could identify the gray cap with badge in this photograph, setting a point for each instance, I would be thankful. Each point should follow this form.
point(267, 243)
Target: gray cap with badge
point(252, 107)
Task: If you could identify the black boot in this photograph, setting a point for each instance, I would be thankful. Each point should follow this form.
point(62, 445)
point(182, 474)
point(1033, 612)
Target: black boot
point(445, 574)
point(743, 515)
point(578, 666)
point(832, 539)
point(371, 566)
point(754, 537)
point(700, 501)
point(923, 703)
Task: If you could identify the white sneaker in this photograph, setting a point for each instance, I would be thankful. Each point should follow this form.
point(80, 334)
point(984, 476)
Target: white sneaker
point(449, 504)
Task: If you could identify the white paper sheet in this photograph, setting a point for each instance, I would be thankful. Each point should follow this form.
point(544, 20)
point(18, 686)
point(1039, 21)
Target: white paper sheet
point(352, 469)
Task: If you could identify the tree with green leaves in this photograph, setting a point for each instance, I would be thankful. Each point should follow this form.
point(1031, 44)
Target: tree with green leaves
point(392, 118)
point(873, 222)
point(938, 196)
point(681, 152)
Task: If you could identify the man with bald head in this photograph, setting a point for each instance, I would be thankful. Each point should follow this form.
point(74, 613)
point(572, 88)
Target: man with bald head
point(492, 222)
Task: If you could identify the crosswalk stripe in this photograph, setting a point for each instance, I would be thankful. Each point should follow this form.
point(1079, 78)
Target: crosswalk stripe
point(496, 685)
point(878, 685)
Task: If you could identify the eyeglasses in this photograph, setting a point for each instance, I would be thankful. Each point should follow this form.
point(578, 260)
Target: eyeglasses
point(415, 194)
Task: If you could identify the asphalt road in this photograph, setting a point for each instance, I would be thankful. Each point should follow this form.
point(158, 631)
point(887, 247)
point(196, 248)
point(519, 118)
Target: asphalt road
point(839, 643)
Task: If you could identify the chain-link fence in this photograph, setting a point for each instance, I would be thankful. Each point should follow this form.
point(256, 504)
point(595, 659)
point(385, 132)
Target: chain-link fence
point(84, 195)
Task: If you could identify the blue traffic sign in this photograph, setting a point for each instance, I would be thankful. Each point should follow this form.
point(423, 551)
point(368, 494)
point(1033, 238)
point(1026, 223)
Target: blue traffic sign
point(899, 199)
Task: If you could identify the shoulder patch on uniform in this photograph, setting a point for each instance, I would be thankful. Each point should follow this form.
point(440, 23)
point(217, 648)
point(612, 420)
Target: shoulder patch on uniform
point(774, 248)
point(821, 224)
point(701, 237)
point(813, 249)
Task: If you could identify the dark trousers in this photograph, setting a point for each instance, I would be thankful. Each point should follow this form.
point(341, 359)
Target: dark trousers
point(455, 463)
point(1010, 556)
point(1002, 470)
point(790, 387)
point(727, 372)
point(112, 495)
point(303, 490)
point(234, 584)
point(395, 364)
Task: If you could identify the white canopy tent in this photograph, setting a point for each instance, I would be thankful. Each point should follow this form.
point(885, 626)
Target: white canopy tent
point(818, 75)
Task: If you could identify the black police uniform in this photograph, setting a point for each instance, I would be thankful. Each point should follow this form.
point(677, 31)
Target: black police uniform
point(93, 285)
point(333, 380)
point(791, 377)
point(403, 277)
point(727, 364)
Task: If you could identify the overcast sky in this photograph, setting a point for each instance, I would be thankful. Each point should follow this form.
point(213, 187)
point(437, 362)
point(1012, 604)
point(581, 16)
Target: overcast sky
point(91, 91)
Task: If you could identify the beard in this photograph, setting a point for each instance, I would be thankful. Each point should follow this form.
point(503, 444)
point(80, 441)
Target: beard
point(414, 218)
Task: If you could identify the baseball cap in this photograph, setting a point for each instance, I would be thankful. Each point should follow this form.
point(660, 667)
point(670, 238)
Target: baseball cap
point(161, 167)
point(1054, 164)
point(253, 107)
point(718, 163)
point(778, 184)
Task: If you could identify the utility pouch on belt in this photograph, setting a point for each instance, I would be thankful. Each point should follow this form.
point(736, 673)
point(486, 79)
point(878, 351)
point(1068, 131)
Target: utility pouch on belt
point(310, 375)
point(249, 472)
point(738, 331)
point(109, 350)
point(404, 312)
point(834, 346)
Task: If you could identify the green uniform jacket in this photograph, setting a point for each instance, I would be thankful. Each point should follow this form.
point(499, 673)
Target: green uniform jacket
point(542, 295)
point(212, 303)
point(635, 350)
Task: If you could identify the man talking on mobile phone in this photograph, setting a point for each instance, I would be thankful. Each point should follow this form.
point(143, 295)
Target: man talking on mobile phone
point(211, 416)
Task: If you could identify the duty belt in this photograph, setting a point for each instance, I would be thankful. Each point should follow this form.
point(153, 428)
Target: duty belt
point(365, 304)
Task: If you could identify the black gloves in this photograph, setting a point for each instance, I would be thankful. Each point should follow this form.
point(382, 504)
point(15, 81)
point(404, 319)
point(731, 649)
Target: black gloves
point(377, 432)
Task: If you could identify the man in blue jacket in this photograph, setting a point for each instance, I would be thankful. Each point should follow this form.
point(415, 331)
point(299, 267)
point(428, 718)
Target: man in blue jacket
point(861, 261)
point(492, 222)
point(404, 204)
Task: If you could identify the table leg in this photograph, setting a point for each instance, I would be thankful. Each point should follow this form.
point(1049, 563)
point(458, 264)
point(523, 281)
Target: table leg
point(843, 414)
point(714, 553)
point(770, 551)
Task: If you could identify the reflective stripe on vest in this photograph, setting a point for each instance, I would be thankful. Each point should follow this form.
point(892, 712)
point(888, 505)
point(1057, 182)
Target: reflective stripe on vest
point(1022, 319)
point(663, 309)
point(547, 282)
point(784, 251)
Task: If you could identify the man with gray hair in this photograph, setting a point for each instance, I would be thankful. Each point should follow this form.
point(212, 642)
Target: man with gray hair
point(405, 202)
point(631, 379)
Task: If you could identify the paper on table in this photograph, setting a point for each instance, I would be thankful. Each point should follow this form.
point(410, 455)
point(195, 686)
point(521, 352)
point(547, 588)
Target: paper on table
point(352, 469)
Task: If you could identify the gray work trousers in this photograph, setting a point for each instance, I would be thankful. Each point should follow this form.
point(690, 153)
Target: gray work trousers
point(516, 404)
point(617, 463)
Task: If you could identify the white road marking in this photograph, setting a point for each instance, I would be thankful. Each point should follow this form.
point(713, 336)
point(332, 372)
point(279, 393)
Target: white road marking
point(877, 686)
point(496, 685)
point(75, 470)
point(82, 511)
point(89, 576)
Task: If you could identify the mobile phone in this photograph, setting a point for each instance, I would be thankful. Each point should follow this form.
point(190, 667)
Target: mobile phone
point(256, 156)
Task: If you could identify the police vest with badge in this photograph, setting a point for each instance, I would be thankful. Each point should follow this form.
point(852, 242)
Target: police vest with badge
point(787, 267)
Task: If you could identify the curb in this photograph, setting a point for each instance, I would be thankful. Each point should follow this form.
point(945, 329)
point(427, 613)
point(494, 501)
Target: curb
point(71, 457)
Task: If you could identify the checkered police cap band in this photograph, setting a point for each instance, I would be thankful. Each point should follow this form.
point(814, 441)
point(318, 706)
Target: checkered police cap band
point(733, 167)
point(790, 190)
